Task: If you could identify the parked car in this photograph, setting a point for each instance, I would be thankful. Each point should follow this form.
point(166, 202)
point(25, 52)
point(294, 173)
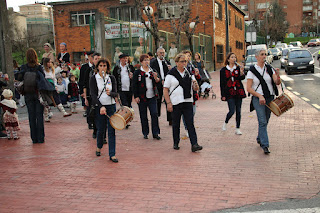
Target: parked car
point(296, 44)
point(250, 60)
point(281, 45)
point(313, 42)
point(284, 55)
point(275, 52)
point(299, 60)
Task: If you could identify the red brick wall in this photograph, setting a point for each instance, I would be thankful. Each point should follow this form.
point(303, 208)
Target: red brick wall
point(78, 38)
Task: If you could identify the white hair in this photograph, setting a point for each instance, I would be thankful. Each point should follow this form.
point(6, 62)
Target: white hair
point(258, 51)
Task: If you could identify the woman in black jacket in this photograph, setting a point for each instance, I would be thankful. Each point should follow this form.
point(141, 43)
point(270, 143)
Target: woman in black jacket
point(145, 94)
point(103, 90)
point(232, 89)
point(30, 74)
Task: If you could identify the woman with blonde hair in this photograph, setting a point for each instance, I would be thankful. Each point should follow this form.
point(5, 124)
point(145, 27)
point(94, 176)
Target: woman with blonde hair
point(49, 52)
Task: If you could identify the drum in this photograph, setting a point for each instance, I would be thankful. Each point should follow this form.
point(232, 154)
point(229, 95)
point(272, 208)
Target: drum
point(121, 118)
point(281, 104)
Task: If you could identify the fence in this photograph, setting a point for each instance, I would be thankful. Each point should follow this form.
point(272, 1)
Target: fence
point(133, 39)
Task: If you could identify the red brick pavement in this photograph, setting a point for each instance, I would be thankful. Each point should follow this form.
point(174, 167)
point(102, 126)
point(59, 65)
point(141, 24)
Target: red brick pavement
point(64, 175)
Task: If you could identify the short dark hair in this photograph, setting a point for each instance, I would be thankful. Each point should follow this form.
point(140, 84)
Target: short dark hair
point(150, 54)
point(96, 54)
point(90, 53)
point(105, 61)
point(143, 56)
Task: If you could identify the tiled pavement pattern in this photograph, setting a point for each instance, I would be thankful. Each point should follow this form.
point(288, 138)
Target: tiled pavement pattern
point(64, 175)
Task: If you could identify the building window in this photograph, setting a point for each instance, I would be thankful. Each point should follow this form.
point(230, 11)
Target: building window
point(218, 10)
point(236, 0)
point(82, 18)
point(219, 53)
point(229, 15)
point(124, 13)
point(238, 22)
point(239, 45)
point(172, 9)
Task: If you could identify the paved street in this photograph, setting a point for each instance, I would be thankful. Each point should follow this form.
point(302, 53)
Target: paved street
point(64, 175)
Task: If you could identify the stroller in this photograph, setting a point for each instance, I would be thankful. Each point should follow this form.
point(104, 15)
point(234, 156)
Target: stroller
point(205, 86)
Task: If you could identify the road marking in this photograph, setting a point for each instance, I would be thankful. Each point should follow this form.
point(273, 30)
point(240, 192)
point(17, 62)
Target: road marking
point(308, 79)
point(296, 93)
point(304, 210)
point(289, 88)
point(317, 75)
point(316, 106)
point(285, 78)
point(305, 99)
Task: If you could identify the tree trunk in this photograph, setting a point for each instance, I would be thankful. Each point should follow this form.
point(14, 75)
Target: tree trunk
point(5, 46)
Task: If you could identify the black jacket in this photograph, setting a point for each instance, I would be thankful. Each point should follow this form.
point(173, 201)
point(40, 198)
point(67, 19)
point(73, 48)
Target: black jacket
point(117, 74)
point(154, 64)
point(85, 73)
point(139, 86)
point(94, 90)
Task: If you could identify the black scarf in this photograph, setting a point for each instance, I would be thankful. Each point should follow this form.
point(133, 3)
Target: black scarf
point(184, 82)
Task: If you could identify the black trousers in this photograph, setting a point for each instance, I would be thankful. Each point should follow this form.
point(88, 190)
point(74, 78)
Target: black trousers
point(126, 98)
point(185, 109)
point(91, 119)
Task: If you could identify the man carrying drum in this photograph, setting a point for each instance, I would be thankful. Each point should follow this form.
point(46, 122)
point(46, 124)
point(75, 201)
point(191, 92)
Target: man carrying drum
point(262, 81)
point(123, 74)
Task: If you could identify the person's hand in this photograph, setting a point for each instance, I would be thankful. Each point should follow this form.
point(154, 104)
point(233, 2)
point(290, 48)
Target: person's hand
point(103, 111)
point(262, 100)
point(223, 98)
point(130, 75)
point(137, 100)
point(108, 91)
point(86, 102)
point(69, 96)
point(82, 95)
point(155, 75)
point(169, 67)
point(169, 107)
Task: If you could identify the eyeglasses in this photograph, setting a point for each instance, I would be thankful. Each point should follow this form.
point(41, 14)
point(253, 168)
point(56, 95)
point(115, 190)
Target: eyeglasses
point(184, 61)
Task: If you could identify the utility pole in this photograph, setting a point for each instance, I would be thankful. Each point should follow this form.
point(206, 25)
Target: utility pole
point(5, 44)
point(227, 27)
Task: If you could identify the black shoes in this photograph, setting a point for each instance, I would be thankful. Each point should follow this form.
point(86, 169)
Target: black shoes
point(196, 147)
point(157, 137)
point(90, 126)
point(98, 153)
point(176, 147)
point(266, 150)
point(145, 136)
point(114, 159)
point(104, 141)
point(127, 126)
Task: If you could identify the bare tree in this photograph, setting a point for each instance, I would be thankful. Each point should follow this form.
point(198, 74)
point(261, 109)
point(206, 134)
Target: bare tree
point(152, 17)
point(182, 23)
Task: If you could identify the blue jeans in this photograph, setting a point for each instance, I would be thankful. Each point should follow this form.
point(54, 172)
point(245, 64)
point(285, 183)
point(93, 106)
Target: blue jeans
point(263, 115)
point(35, 114)
point(234, 104)
point(151, 103)
point(186, 110)
point(101, 122)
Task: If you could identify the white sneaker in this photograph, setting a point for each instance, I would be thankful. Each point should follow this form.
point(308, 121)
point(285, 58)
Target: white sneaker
point(50, 114)
point(187, 134)
point(224, 127)
point(238, 132)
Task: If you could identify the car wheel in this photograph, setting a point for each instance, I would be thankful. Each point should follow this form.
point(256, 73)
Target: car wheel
point(312, 71)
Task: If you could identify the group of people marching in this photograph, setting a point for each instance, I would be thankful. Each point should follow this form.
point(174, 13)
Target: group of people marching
point(153, 83)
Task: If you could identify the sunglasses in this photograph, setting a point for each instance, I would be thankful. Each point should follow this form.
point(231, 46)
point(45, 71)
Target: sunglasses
point(185, 61)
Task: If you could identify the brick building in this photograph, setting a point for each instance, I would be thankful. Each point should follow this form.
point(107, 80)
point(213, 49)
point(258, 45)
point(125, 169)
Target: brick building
point(302, 15)
point(71, 23)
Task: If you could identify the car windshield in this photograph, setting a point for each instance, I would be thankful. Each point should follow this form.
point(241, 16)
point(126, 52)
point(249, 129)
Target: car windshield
point(313, 40)
point(274, 50)
point(294, 43)
point(251, 59)
point(251, 51)
point(300, 54)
